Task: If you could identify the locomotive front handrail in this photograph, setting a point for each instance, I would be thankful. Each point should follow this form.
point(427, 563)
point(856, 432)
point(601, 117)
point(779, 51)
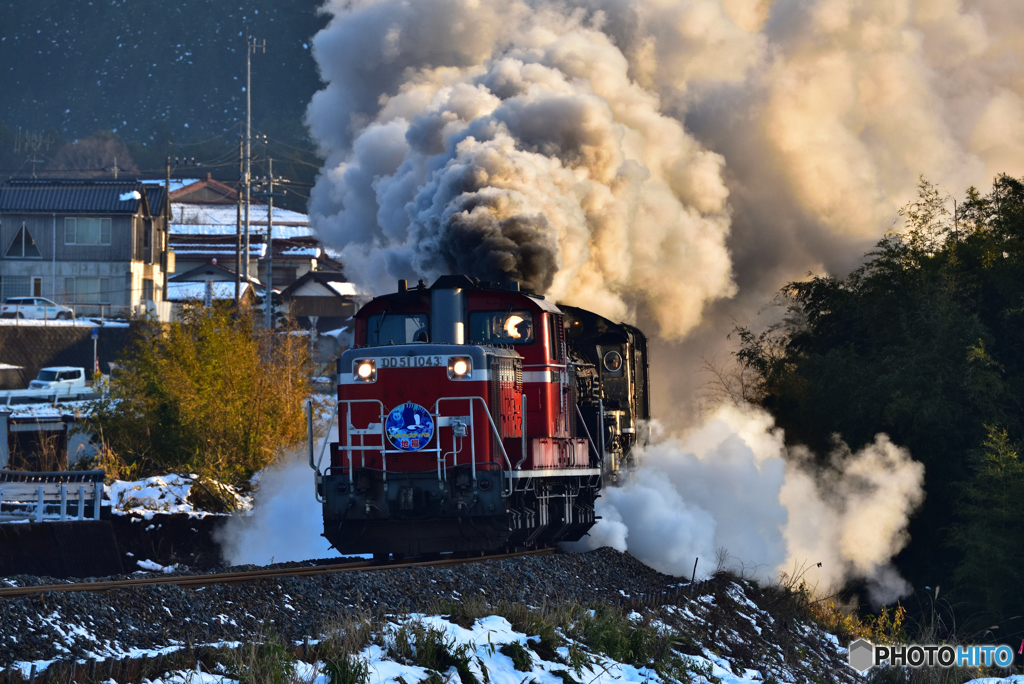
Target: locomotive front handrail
point(318, 478)
point(349, 427)
point(377, 429)
point(494, 428)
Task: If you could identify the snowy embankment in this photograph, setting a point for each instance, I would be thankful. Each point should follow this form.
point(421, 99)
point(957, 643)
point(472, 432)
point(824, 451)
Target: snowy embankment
point(167, 494)
point(480, 648)
point(731, 624)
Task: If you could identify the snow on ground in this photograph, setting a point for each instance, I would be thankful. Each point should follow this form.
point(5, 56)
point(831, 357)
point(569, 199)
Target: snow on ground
point(46, 409)
point(150, 566)
point(482, 641)
point(159, 494)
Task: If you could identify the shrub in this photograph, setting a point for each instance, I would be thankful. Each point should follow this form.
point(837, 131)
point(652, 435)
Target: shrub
point(431, 648)
point(347, 669)
point(267, 660)
point(521, 659)
point(210, 395)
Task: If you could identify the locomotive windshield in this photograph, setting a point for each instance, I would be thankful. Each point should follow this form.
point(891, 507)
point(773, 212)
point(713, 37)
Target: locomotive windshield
point(397, 328)
point(501, 327)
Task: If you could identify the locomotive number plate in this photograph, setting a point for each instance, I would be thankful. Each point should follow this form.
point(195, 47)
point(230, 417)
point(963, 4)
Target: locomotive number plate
point(412, 361)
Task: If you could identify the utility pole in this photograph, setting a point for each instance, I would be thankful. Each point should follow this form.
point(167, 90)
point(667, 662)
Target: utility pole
point(32, 143)
point(165, 238)
point(270, 244)
point(238, 221)
point(270, 194)
point(251, 46)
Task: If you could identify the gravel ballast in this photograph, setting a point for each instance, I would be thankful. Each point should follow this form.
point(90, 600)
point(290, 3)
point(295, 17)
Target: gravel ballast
point(83, 625)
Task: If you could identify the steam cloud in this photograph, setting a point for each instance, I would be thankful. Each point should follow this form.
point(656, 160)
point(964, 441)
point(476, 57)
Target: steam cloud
point(512, 144)
point(730, 484)
point(651, 156)
point(285, 524)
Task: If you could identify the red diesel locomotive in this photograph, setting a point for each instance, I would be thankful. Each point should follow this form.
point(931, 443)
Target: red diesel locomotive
point(476, 417)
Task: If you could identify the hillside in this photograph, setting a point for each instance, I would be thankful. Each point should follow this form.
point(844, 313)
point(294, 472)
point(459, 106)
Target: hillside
point(153, 71)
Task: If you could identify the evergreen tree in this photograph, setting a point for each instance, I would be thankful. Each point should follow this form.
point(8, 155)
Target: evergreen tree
point(925, 342)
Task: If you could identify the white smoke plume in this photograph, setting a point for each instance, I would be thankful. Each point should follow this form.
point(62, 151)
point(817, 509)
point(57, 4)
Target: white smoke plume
point(731, 484)
point(285, 524)
point(651, 156)
point(521, 152)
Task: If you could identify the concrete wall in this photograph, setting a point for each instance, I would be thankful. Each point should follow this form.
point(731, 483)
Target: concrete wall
point(36, 346)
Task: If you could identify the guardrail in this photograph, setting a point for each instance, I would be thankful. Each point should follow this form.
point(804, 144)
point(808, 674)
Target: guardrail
point(29, 495)
point(51, 395)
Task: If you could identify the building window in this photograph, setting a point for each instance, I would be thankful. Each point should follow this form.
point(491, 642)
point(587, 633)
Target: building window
point(87, 290)
point(15, 286)
point(23, 247)
point(86, 231)
point(37, 287)
point(147, 289)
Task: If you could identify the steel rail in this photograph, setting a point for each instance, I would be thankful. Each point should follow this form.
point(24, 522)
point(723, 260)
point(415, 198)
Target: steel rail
point(194, 581)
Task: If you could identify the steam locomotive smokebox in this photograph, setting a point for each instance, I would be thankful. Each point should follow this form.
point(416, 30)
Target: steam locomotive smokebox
point(79, 548)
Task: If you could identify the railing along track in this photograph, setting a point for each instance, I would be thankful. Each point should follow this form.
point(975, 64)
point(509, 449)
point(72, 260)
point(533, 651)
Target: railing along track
point(196, 581)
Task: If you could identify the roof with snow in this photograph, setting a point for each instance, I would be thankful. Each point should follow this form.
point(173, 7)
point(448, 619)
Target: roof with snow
point(321, 284)
point(183, 291)
point(222, 248)
point(210, 271)
point(206, 191)
point(83, 196)
point(222, 219)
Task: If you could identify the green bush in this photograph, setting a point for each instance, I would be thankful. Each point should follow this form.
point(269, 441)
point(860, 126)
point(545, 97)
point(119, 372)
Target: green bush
point(210, 394)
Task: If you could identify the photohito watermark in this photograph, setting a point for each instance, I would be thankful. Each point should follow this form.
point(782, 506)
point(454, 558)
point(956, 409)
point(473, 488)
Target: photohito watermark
point(864, 655)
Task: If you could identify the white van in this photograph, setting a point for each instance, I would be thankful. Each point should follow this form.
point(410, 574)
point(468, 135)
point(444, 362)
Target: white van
point(58, 377)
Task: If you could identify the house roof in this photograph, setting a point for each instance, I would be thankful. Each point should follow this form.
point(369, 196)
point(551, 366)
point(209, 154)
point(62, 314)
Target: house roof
point(81, 196)
point(209, 271)
point(193, 247)
point(222, 219)
point(156, 194)
point(321, 284)
point(206, 191)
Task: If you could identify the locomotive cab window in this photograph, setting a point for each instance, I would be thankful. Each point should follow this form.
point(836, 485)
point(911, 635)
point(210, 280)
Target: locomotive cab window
point(501, 327)
point(386, 328)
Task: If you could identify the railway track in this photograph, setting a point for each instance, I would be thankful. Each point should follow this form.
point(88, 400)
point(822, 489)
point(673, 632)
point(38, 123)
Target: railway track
point(196, 581)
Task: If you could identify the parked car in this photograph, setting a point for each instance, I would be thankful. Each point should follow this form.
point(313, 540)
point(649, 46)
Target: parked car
point(34, 307)
point(58, 377)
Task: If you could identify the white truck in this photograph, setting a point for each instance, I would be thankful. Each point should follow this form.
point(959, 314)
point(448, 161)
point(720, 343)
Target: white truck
point(52, 384)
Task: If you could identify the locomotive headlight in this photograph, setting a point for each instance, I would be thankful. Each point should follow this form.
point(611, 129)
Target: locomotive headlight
point(460, 368)
point(511, 326)
point(364, 370)
point(613, 362)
